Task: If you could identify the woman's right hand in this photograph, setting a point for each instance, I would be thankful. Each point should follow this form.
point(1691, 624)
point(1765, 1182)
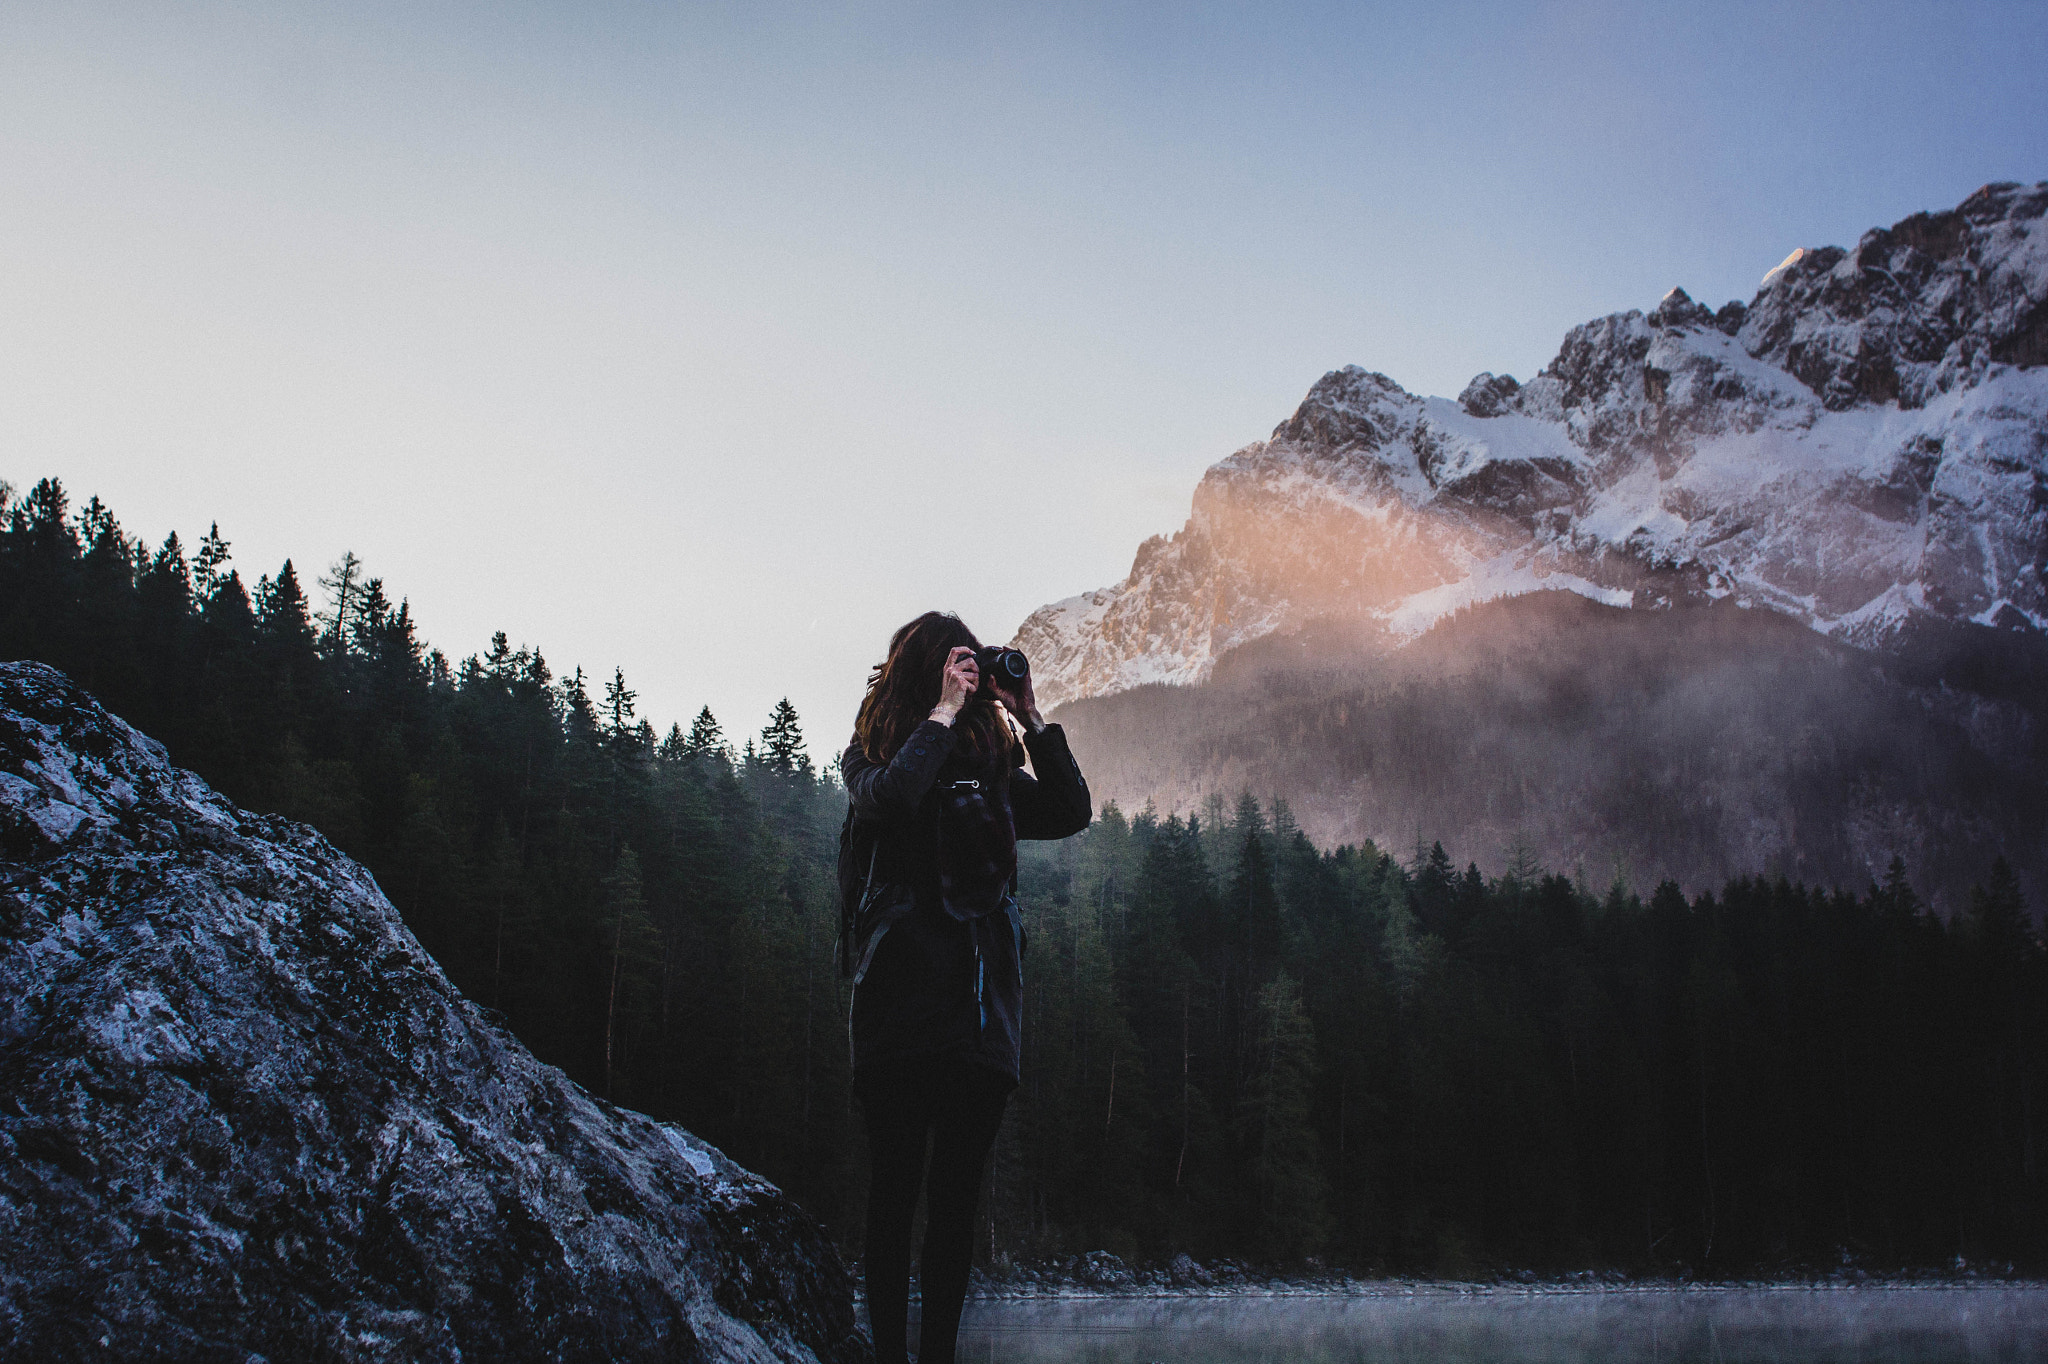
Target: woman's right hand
point(957, 684)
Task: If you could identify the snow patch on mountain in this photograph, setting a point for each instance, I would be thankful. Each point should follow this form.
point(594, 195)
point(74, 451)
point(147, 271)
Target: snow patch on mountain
point(1771, 275)
point(1505, 575)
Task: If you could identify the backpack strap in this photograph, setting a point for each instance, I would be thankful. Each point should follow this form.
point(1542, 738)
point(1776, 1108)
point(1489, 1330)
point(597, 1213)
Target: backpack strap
point(849, 906)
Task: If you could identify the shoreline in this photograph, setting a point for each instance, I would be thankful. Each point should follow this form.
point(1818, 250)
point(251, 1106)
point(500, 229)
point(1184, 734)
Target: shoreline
point(1101, 1276)
point(1449, 1288)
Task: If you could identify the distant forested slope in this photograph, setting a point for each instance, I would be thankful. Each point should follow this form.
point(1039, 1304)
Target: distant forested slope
point(1697, 744)
point(1236, 1043)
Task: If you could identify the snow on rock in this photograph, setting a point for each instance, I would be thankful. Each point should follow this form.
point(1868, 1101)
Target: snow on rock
point(1864, 441)
point(245, 1116)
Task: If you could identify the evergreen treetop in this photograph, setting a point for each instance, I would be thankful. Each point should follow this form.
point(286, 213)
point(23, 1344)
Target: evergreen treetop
point(208, 562)
point(782, 742)
point(343, 582)
point(707, 737)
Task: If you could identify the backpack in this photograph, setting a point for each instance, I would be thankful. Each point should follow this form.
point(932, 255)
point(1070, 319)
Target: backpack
point(854, 883)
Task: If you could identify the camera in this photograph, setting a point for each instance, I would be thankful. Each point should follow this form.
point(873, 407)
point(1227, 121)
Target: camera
point(999, 664)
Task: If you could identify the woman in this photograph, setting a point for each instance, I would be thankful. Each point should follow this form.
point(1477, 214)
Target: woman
point(938, 803)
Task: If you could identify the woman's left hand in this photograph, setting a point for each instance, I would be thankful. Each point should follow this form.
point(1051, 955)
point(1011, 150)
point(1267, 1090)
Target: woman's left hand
point(1020, 701)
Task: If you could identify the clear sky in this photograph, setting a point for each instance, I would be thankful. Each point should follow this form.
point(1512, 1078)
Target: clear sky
point(714, 341)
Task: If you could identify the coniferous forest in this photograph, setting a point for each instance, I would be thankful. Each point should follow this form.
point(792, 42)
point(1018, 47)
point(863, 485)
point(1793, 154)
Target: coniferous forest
point(1237, 1044)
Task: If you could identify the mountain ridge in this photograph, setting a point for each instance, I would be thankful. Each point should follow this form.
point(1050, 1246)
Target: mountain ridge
point(1860, 445)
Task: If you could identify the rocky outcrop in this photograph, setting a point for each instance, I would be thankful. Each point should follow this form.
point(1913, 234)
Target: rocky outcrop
point(244, 1115)
point(1863, 444)
point(1916, 309)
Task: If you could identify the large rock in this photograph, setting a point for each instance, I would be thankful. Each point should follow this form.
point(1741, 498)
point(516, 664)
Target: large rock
point(244, 1115)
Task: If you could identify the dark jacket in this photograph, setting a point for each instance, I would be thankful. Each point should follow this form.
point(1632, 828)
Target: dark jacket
point(931, 985)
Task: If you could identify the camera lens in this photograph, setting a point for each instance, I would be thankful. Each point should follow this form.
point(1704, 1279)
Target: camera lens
point(1006, 665)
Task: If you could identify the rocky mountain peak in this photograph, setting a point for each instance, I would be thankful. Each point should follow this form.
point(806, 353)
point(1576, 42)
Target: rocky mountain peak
point(1677, 309)
point(1862, 442)
point(1344, 411)
point(246, 1116)
point(1489, 395)
point(1916, 309)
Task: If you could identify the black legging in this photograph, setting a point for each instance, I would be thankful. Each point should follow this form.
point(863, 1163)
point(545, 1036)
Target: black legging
point(958, 1106)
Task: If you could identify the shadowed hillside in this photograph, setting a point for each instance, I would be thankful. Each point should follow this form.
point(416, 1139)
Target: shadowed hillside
point(1693, 744)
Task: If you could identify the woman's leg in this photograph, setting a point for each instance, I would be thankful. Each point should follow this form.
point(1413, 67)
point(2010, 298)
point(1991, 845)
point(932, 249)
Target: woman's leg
point(896, 1122)
point(964, 1126)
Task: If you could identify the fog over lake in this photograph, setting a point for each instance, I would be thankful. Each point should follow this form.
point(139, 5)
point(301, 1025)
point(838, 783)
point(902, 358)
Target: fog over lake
point(1913, 1325)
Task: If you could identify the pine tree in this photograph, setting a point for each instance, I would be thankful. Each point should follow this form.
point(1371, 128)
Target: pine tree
point(398, 643)
point(1248, 821)
point(1290, 1194)
point(41, 518)
point(578, 716)
point(1285, 827)
point(228, 606)
point(1896, 898)
point(618, 709)
point(1251, 906)
point(207, 564)
point(343, 582)
point(281, 608)
point(1998, 916)
point(499, 663)
point(782, 742)
point(707, 739)
point(371, 611)
point(109, 557)
point(1217, 848)
point(631, 936)
point(1431, 888)
point(1404, 947)
point(1524, 868)
point(534, 672)
point(169, 572)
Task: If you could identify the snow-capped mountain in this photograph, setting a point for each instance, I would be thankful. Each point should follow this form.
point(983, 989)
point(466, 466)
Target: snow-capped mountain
point(1864, 442)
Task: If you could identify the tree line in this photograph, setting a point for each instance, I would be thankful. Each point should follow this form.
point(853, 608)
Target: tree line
point(1237, 1044)
point(1240, 1044)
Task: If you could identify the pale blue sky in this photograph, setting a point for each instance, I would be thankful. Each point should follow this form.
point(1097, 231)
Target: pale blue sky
point(715, 341)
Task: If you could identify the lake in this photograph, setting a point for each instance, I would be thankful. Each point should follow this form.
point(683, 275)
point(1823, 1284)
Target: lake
point(1890, 1325)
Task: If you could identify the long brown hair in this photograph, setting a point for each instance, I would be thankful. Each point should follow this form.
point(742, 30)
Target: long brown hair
point(904, 687)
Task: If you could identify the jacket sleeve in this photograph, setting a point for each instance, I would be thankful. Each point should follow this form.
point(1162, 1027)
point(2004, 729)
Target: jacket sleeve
point(891, 791)
point(1056, 804)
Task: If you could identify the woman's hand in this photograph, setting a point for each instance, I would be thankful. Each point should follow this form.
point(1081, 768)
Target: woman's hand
point(1022, 702)
point(957, 684)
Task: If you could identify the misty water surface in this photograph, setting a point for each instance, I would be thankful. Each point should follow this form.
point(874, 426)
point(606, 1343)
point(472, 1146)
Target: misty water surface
point(1782, 1325)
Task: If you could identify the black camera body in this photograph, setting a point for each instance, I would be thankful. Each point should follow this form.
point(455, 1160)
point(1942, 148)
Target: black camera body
point(999, 664)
